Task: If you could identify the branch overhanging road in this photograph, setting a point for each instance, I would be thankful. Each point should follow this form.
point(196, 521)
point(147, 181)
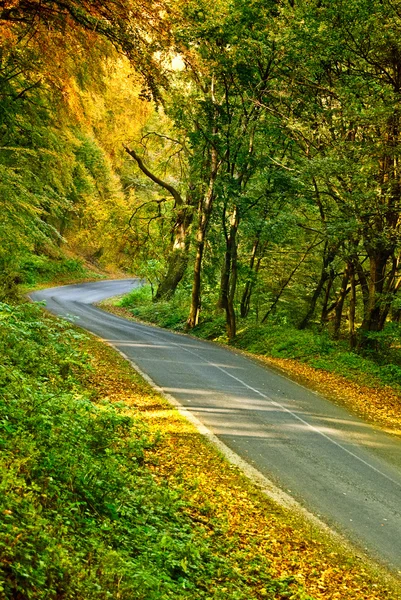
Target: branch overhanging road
point(340, 468)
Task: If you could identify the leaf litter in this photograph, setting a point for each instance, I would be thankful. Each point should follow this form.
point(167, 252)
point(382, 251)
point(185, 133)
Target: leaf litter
point(261, 539)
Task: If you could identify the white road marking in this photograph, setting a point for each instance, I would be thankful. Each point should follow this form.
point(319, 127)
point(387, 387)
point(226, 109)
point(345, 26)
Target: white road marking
point(287, 410)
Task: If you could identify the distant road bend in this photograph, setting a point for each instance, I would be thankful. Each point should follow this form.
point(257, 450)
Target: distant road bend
point(338, 467)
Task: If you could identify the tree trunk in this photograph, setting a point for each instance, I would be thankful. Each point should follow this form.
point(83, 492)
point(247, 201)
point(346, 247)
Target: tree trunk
point(373, 301)
point(205, 209)
point(312, 306)
point(396, 315)
point(352, 307)
point(177, 260)
point(247, 293)
point(225, 271)
point(328, 257)
point(325, 311)
point(396, 312)
point(231, 260)
point(193, 318)
point(340, 302)
point(390, 292)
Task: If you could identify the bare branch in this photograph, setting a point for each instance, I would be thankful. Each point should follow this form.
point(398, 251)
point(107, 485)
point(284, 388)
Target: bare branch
point(171, 189)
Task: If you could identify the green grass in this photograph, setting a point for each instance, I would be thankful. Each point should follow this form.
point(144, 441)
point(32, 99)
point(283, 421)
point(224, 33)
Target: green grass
point(81, 516)
point(40, 269)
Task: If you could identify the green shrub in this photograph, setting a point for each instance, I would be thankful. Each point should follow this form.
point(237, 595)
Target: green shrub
point(38, 269)
point(211, 329)
point(81, 516)
point(170, 314)
point(138, 296)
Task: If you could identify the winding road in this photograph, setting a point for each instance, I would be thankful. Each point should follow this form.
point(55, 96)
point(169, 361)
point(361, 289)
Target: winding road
point(338, 467)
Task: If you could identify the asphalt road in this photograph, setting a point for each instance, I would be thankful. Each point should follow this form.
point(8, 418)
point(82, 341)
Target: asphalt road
point(338, 467)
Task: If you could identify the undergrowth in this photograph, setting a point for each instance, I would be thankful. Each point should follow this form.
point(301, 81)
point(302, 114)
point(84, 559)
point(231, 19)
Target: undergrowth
point(318, 350)
point(171, 314)
point(82, 517)
point(39, 269)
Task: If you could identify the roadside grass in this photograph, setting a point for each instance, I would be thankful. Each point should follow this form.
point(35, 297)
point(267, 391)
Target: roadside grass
point(41, 271)
point(368, 384)
point(86, 512)
point(106, 492)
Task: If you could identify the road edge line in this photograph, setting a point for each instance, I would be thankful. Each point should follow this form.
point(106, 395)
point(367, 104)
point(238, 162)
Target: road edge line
point(265, 485)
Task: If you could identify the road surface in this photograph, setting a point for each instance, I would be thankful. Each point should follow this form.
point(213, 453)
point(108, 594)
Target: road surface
point(343, 470)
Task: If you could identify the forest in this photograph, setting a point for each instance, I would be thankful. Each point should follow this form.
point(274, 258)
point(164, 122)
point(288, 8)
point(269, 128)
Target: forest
point(241, 157)
point(245, 152)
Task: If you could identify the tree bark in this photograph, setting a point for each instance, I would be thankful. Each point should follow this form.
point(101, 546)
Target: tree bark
point(328, 257)
point(205, 209)
point(373, 301)
point(340, 302)
point(325, 310)
point(249, 285)
point(171, 189)
point(225, 271)
point(390, 292)
point(231, 261)
point(177, 260)
point(178, 255)
point(352, 307)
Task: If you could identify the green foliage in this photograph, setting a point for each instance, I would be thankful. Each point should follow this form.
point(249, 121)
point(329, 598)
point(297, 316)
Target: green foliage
point(55, 177)
point(212, 328)
point(80, 514)
point(171, 314)
point(40, 269)
point(319, 350)
point(141, 296)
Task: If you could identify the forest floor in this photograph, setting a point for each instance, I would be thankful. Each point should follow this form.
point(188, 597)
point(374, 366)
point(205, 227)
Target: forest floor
point(258, 536)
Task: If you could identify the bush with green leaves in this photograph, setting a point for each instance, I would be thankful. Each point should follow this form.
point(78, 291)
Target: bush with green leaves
point(81, 516)
point(171, 314)
point(41, 268)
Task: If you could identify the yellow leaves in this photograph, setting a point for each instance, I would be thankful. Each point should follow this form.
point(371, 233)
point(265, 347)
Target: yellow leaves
point(382, 406)
point(264, 593)
point(233, 514)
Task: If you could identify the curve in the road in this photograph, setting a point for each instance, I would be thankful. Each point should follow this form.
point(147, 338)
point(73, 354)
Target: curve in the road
point(345, 471)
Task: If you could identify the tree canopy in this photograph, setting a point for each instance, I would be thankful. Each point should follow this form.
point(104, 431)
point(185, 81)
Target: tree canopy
point(246, 151)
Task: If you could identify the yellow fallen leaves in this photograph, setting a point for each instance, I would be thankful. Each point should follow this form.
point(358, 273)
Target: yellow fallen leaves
point(259, 536)
point(377, 405)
